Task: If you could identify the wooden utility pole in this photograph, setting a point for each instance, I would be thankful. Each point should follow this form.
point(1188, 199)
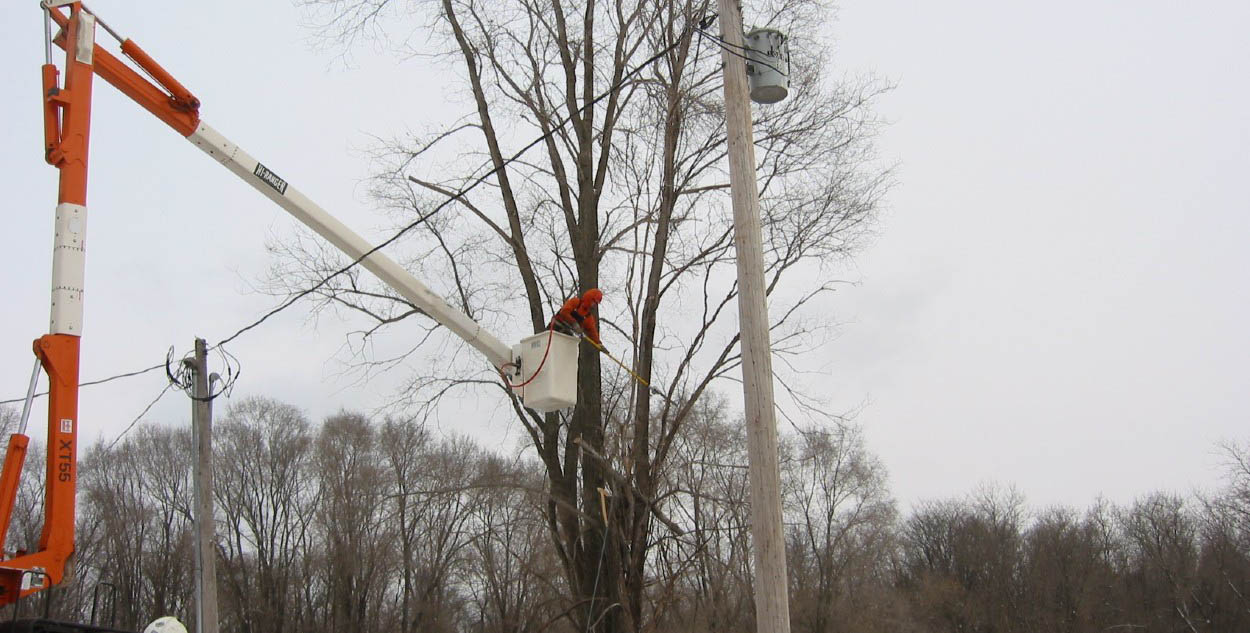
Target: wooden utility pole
point(202, 480)
point(772, 608)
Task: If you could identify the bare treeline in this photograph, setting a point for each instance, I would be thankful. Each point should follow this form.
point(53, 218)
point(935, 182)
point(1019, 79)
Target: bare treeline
point(362, 524)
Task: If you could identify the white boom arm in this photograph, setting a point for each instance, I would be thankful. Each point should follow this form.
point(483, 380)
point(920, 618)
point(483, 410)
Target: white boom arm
point(392, 274)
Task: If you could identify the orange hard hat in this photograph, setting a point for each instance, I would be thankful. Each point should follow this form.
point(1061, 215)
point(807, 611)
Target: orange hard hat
point(593, 295)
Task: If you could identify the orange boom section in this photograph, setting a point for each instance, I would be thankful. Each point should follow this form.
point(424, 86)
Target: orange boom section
point(67, 127)
point(67, 131)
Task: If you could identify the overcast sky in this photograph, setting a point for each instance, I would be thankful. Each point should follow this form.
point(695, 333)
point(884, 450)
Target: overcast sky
point(1056, 298)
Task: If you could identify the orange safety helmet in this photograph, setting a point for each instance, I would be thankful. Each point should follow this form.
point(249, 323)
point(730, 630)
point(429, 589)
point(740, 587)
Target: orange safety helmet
point(594, 296)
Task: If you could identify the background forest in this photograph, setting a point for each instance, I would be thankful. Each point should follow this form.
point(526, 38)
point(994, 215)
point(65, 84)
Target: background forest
point(362, 524)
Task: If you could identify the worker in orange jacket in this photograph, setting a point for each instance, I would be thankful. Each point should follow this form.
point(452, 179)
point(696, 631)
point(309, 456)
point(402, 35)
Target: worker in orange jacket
point(576, 314)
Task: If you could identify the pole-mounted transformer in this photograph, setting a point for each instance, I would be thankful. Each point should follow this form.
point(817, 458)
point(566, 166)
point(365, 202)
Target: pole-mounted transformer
point(768, 65)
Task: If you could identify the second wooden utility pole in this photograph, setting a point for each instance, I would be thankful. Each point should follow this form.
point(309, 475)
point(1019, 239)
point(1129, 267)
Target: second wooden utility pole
point(772, 608)
point(202, 481)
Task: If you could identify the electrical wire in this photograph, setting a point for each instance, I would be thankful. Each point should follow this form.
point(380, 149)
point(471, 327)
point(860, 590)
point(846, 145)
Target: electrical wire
point(179, 377)
point(183, 376)
point(704, 23)
point(729, 48)
point(183, 379)
point(234, 368)
point(129, 374)
point(140, 416)
point(465, 191)
point(232, 373)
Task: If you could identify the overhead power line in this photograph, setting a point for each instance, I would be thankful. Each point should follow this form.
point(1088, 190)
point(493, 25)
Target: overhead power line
point(129, 374)
point(693, 27)
point(139, 417)
point(737, 51)
point(615, 87)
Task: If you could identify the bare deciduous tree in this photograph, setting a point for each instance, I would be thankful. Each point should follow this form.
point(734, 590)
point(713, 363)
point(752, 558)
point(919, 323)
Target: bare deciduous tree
point(355, 535)
point(136, 511)
point(1163, 549)
point(263, 472)
point(627, 193)
point(841, 533)
point(705, 574)
point(482, 559)
point(513, 573)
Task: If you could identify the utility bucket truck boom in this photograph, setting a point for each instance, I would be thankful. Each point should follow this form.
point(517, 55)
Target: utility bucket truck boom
point(542, 368)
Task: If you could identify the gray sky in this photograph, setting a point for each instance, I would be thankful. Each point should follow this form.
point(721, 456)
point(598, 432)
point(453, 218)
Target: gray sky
point(1059, 296)
point(1054, 299)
